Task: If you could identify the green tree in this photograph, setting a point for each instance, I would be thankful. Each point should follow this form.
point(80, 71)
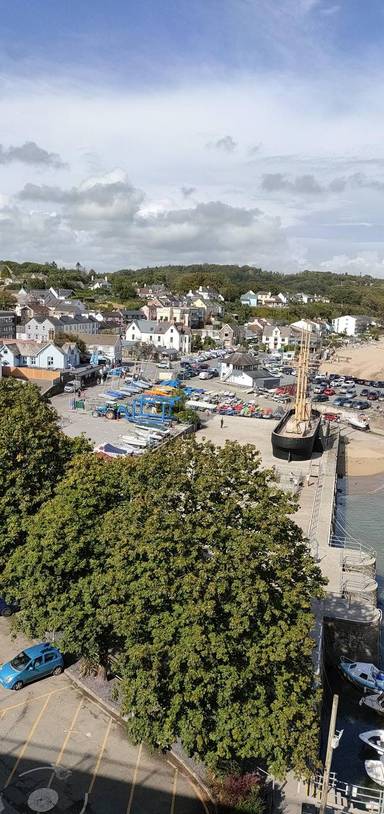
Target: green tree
point(33, 456)
point(61, 338)
point(210, 590)
point(6, 300)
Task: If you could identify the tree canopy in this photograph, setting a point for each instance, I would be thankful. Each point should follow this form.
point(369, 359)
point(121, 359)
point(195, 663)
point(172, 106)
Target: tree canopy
point(188, 565)
point(33, 456)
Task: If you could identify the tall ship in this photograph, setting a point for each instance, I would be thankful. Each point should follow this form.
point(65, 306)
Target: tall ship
point(297, 434)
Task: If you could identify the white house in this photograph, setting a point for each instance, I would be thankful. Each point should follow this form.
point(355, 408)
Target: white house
point(309, 325)
point(250, 299)
point(351, 325)
point(160, 335)
point(107, 346)
point(242, 369)
point(100, 282)
point(278, 337)
point(42, 329)
point(47, 355)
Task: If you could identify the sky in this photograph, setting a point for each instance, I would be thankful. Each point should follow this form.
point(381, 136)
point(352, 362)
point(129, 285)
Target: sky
point(145, 132)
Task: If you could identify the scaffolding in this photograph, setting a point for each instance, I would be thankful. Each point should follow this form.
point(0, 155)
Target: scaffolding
point(302, 409)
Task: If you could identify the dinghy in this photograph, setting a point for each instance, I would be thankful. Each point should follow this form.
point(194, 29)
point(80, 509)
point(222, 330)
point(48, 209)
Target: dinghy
point(375, 739)
point(359, 422)
point(374, 701)
point(375, 770)
point(362, 674)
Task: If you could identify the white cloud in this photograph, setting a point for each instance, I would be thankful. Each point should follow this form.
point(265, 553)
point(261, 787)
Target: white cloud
point(320, 144)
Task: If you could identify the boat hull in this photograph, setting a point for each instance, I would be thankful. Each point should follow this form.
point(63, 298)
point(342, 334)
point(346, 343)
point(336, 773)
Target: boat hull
point(295, 448)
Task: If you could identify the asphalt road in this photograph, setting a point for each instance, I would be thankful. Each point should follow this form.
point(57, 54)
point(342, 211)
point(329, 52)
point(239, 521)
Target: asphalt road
point(61, 752)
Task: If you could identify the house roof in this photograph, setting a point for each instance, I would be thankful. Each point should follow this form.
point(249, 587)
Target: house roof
point(99, 339)
point(27, 347)
point(241, 360)
point(285, 330)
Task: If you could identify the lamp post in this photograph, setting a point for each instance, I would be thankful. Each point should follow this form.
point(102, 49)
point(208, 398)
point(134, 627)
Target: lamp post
point(333, 742)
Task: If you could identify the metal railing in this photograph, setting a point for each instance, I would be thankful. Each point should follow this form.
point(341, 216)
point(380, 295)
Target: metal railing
point(348, 795)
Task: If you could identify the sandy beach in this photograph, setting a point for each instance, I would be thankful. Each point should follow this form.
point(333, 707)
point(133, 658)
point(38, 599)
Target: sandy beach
point(364, 361)
point(364, 454)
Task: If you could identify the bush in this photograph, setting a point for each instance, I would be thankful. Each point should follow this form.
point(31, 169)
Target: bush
point(189, 417)
point(241, 793)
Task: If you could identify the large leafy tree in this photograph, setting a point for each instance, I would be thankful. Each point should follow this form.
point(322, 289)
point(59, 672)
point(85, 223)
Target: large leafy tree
point(33, 456)
point(186, 561)
point(209, 585)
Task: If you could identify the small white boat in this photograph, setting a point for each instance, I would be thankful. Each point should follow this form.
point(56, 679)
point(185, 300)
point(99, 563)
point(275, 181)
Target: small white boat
point(375, 770)
point(133, 440)
point(374, 701)
point(362, 674)
point(375, 739)
point(359, 422)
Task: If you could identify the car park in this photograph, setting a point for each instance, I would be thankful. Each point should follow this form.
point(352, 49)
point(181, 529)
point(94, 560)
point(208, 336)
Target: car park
point(31, 664)
point(337, 382)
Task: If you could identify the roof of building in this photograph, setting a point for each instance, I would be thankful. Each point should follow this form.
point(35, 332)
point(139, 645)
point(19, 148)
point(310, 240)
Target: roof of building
point(99, 339)
point(27, 347)
point(61, 292)
point(241, 360)
point(285, 330)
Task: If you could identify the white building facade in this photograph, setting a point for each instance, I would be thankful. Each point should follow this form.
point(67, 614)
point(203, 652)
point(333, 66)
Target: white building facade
point(160, 335)
point(351, 325)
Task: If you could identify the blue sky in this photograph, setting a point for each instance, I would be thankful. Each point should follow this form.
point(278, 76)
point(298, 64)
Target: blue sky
point(164, 130)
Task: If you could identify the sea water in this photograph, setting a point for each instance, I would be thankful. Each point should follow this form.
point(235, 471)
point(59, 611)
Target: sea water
point(360, 515)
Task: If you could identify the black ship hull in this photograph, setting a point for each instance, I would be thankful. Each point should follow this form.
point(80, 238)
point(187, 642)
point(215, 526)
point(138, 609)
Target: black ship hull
point(293, 447)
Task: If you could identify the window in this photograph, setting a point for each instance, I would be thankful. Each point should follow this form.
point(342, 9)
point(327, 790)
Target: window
point(49, 657)
point(38, 662)
point(159, 338)
point(49, 361)
point(33, 360)
point(151, 338)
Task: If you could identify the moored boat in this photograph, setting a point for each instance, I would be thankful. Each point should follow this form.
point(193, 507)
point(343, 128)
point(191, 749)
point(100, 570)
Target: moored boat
point(359, 422)
point(362, 674)
point(375, 739)
point(375, 770)
point(374, 701)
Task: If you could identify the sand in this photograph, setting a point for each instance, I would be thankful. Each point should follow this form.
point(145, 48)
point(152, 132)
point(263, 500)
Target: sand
point(364, 361)
point(364, 453)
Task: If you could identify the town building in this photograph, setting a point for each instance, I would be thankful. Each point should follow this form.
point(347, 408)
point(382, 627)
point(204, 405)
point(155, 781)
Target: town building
point(250, 299)
point(351, 325)
point(160, 334)
point(7, 324)
point(44, 328)
point(278, 337)
point(32, 354)
point(103, 346)
point(100, 283)
point(243, 369)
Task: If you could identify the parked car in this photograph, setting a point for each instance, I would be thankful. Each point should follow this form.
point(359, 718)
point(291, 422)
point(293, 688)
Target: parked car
point(329, 391)
point(364, 391)
point(319, 388)
point(360, 404)
point(72, 386)
point(31, 664)
point(337, 382)
point(372, 396)
point(320, 397)
point(349, 403)
point(349, 382)
point(339, 401)
point(6, 609)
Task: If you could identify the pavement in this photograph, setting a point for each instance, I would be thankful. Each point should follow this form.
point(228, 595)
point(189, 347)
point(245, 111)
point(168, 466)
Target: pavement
point(61, 751)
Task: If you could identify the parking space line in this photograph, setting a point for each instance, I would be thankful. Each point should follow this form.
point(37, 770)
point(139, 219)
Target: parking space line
point(30, 736)
point(134, 779)
point(174, 792)
point(103, 745)
point(195, 787)
point(65, 743)
point(3, 710)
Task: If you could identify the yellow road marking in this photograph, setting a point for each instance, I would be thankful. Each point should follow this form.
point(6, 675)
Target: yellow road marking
point(29, 701)
point(66, 739)
point(103, 745)
point(30, 736)
point(174, 792)
point(134, 779)
point(195, 788)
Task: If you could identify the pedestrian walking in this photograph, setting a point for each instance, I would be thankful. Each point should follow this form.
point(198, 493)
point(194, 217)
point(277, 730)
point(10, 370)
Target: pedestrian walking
point(221, 423)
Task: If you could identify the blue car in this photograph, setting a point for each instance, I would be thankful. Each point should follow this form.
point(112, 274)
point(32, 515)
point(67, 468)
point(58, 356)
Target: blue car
point(33, 663)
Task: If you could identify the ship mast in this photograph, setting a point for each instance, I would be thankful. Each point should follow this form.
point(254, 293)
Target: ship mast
point(302, 410)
